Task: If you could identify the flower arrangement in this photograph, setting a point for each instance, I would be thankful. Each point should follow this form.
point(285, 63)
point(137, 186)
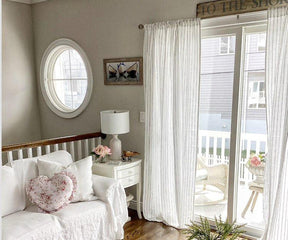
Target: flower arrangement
point(101, 152)
point(256, 166)
point(256, 160)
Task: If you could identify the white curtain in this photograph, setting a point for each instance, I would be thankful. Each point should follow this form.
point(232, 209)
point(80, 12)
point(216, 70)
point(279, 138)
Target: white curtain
point(276, 169)
point(171, 78)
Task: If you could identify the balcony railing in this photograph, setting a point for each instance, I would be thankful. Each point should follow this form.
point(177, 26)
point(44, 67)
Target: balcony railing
point(215, 147)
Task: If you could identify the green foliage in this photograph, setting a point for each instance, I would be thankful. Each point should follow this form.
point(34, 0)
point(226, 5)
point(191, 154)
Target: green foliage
point(203, 231)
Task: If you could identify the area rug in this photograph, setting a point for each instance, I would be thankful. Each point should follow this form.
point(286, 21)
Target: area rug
point(210, 196)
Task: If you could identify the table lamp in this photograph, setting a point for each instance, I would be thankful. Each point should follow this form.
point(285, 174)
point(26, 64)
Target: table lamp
point(115, 122)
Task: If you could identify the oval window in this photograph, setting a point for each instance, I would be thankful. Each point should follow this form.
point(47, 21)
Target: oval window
point(66, 78)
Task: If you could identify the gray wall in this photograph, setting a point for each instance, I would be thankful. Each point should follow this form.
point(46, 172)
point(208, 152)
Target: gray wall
point(20, 111)
point(104, 29)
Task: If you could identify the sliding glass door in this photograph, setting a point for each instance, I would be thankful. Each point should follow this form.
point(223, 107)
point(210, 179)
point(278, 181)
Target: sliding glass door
point(215, 112)
point(253, 132)
point(232, 125)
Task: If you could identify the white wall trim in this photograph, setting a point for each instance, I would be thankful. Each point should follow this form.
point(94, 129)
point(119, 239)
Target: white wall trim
point(37, 1)
point(244, 19)
point(45, 70)
point(28, 1)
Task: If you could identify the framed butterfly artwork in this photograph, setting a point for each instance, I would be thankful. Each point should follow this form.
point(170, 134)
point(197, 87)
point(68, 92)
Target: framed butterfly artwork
point(123, 71)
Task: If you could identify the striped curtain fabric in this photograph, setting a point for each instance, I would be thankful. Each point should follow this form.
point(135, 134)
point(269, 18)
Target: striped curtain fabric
point(171, 72)
point(276, 169)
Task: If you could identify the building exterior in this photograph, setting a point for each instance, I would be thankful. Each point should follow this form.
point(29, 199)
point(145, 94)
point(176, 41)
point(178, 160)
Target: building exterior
point(217, 73)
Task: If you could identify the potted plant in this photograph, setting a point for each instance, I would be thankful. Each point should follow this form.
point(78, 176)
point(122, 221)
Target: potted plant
point(256, 165)
point(223, 230)
point(101, 152)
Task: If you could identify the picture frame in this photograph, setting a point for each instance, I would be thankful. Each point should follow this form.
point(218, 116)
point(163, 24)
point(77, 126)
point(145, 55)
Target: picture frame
point(123, 71)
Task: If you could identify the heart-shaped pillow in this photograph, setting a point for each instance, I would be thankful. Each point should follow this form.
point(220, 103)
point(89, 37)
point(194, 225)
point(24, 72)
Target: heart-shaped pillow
point(50, 195)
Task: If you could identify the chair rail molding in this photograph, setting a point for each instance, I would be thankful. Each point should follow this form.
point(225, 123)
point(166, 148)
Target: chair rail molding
point(28, 1)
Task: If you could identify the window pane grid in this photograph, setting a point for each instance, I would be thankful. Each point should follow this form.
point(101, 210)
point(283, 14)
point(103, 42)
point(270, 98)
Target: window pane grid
point(71, 76)
point(70, 79)
point(255, 70)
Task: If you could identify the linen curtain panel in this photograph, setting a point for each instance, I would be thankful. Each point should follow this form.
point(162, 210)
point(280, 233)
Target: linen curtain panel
point(171, 73)
point(276, 169)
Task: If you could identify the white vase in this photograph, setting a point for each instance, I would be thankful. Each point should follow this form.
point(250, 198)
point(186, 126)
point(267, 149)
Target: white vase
point(116, 148)
point(258, 172)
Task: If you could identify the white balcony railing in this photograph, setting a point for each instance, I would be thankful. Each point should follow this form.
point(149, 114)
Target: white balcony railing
point(215, 147)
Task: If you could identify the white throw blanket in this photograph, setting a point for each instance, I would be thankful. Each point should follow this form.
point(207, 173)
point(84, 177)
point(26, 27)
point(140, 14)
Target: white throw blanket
point(113, 194)
point(95, 220)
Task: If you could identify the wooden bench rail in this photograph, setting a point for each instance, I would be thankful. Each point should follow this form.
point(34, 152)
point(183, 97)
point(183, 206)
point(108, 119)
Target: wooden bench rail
point(53, 141)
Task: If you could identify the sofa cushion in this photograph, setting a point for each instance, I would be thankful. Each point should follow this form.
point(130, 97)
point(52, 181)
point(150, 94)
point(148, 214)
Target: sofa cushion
point(80, 209)
point(26, 168)
point(25, 225)
point(201, 174)
point(81, 169)
point(62, 157)
point(52, 194)
point(13, 200)
point(86, 220)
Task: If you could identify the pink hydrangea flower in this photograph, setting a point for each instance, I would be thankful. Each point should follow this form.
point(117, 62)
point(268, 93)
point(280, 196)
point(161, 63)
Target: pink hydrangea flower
point(255, 161)
point(107, 150)
point(102, 151)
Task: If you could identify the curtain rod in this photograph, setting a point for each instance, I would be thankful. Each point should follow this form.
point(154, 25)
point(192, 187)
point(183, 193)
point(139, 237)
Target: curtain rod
point(259, 17)
point(141, 26)
point(230, 20)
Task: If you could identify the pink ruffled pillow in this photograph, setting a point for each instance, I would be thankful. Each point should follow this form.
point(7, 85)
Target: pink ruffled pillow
point(51, 195)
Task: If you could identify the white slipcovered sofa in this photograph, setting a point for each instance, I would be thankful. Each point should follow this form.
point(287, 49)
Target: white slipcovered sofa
point(101, 219)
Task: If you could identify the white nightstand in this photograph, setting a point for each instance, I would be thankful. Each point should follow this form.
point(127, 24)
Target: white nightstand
point(128, 173)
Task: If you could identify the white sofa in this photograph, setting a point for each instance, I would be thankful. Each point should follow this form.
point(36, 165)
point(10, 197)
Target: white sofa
point(102, 219)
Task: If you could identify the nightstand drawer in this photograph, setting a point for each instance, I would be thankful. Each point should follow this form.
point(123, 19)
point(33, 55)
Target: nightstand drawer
point(129, 181)
point(127, 172)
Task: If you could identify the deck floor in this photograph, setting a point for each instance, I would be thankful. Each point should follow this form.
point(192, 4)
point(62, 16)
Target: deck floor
point(209, 210)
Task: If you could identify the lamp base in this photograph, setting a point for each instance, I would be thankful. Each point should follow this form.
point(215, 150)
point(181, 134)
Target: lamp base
point(116, 148)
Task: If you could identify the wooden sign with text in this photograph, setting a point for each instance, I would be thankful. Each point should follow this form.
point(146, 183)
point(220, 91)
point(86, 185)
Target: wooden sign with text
point(230, 7)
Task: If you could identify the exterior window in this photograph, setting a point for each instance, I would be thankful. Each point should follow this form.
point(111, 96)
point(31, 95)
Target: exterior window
point(227, 45)
point(66, 78)
point(256, 98)
point(254, 72)
point(261, 42)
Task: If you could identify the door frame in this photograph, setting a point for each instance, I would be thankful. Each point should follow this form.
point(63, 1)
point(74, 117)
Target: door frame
point(238, 26)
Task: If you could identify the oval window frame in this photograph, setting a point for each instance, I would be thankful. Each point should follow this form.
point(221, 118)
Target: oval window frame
point(47, 65)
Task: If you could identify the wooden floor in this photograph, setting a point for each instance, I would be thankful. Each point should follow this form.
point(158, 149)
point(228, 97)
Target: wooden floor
point(142, 229)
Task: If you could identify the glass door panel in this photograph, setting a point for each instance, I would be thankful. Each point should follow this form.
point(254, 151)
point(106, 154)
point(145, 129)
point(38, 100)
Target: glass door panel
point(215, 112)
point(253, 133)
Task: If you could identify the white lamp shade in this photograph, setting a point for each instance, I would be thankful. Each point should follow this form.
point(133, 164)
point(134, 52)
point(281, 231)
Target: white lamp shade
point(115, 121)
